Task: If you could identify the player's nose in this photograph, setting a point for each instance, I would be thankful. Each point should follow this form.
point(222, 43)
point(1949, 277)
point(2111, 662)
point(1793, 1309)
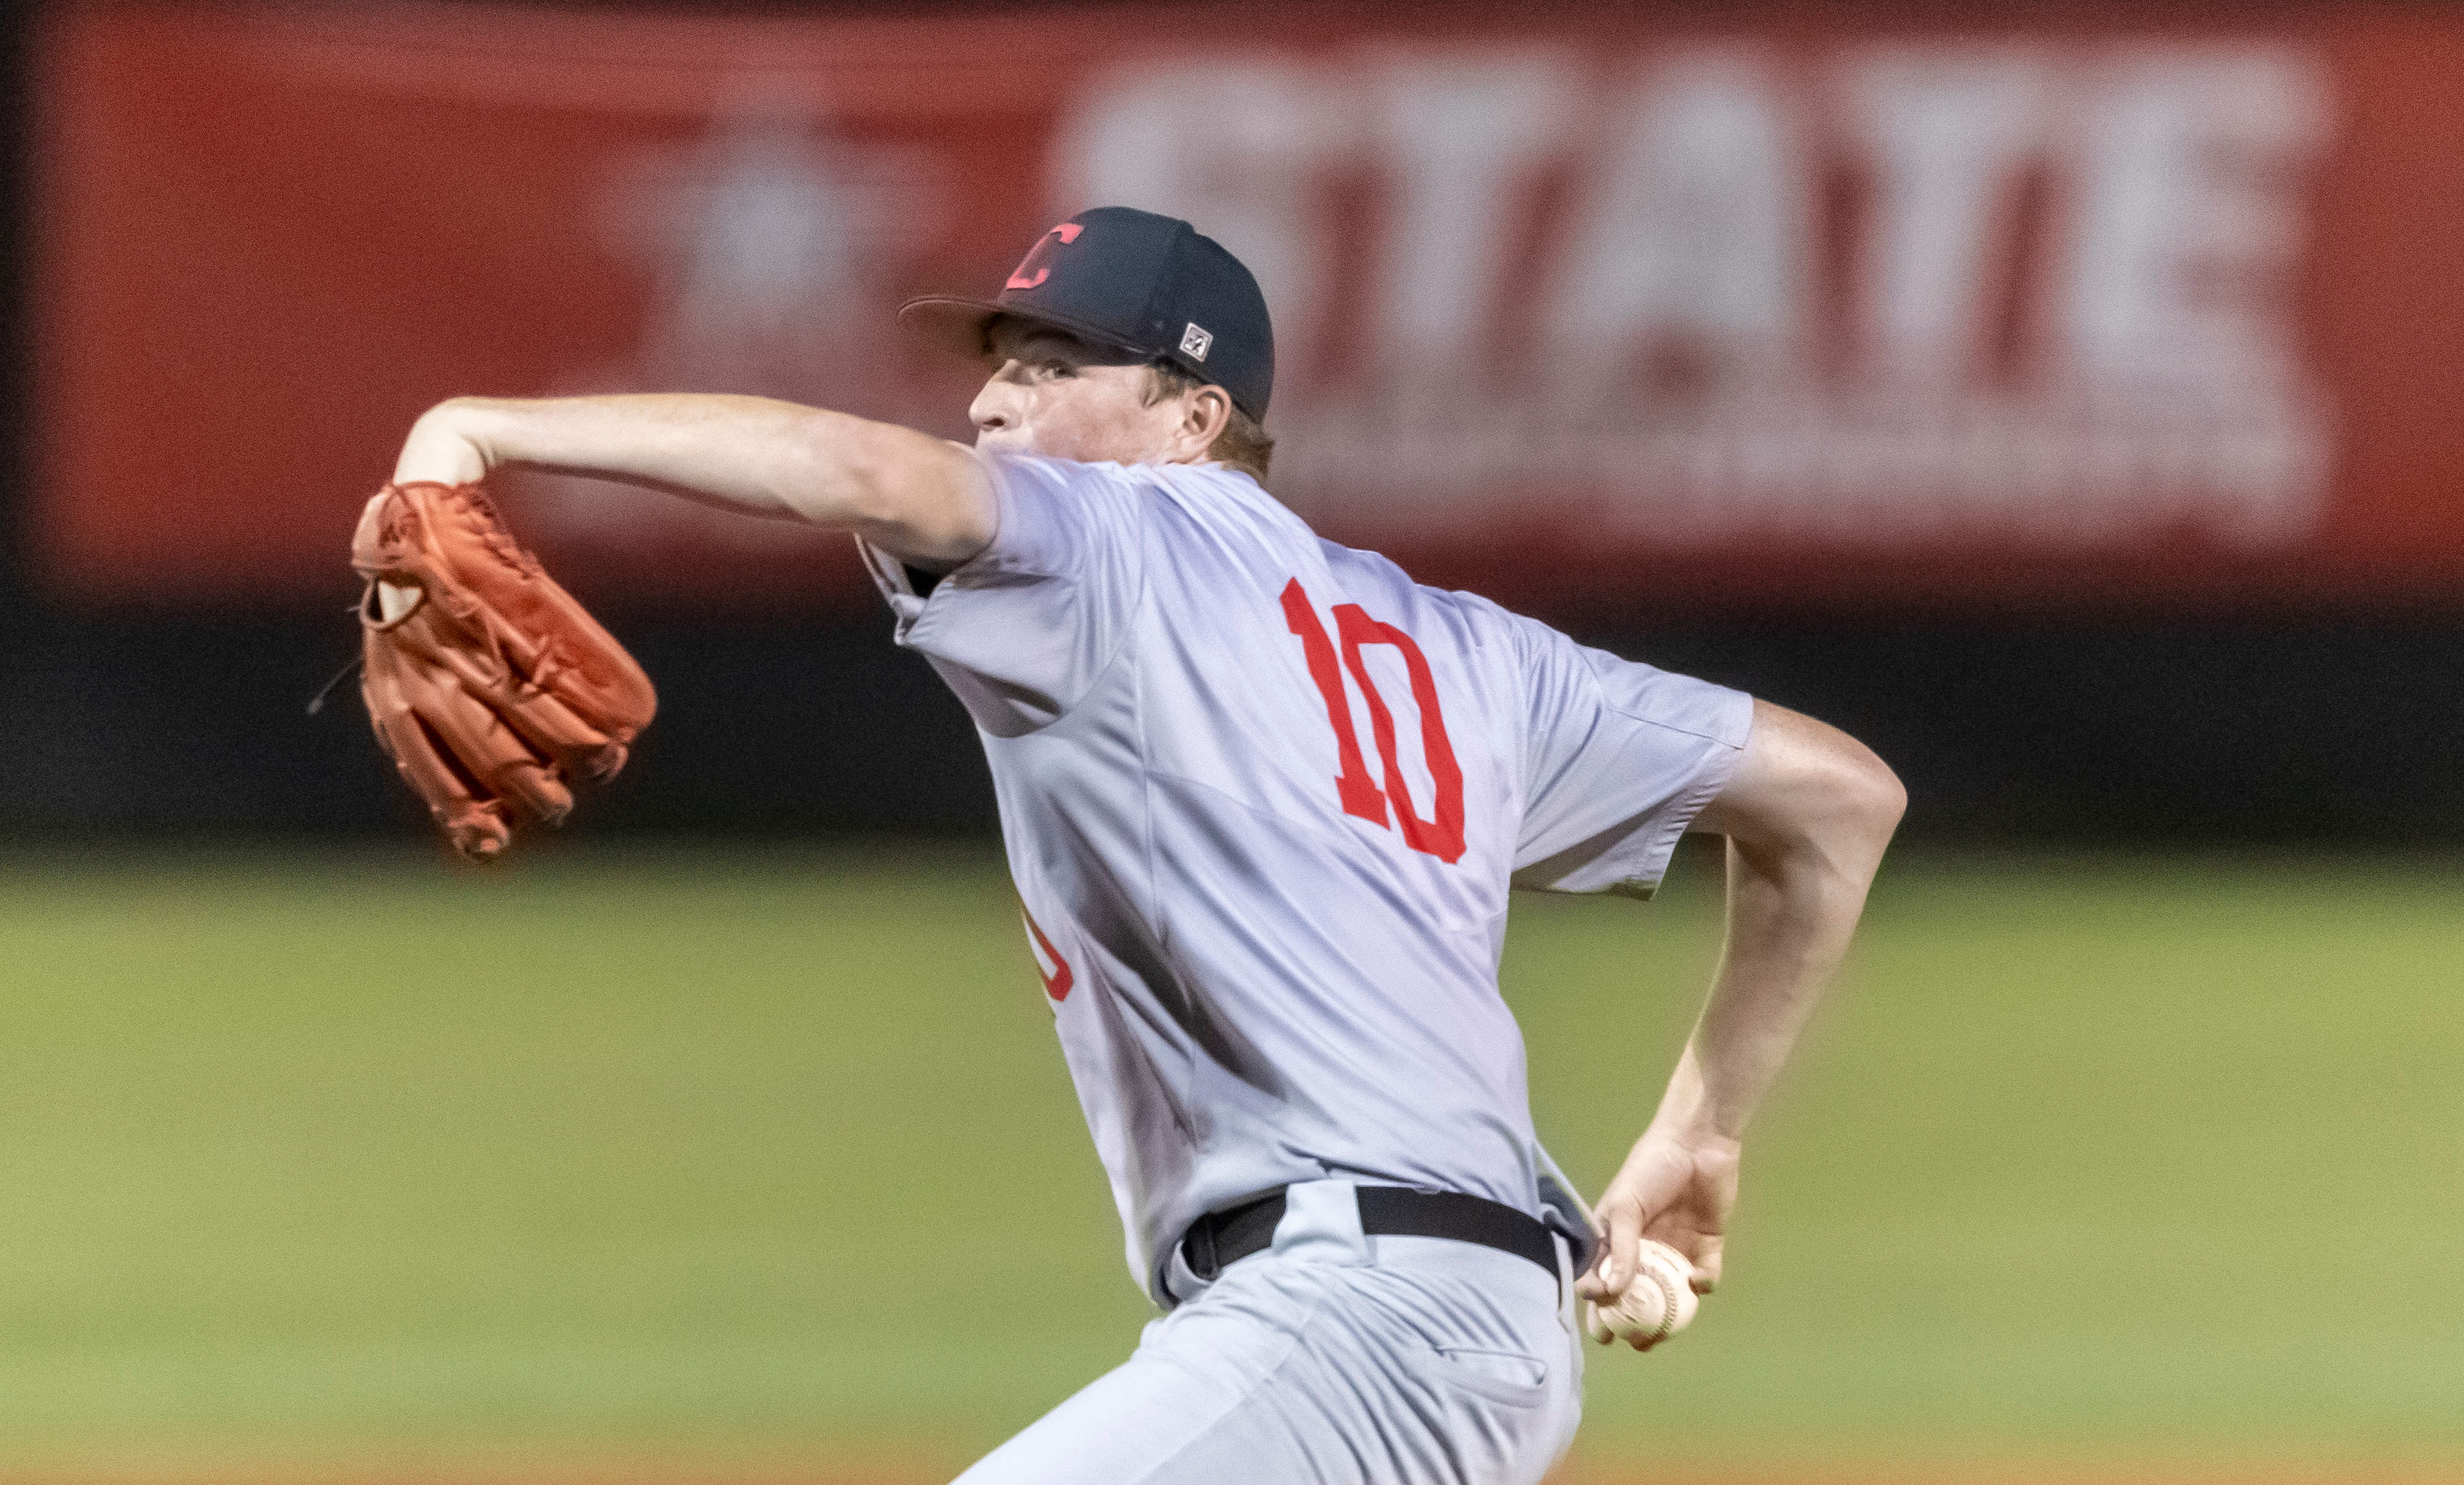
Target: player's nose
point(997, 406)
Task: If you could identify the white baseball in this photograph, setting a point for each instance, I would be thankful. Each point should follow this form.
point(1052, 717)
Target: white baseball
point(1659, 1301)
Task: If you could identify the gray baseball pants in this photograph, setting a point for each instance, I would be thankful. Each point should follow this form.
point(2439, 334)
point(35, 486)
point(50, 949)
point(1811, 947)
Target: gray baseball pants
point(1330, 1358)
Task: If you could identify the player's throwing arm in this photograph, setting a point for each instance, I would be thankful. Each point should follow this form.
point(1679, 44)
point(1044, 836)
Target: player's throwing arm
point(1806, 817)
point(492, 689)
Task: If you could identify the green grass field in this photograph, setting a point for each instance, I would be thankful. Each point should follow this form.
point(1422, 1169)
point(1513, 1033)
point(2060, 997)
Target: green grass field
point(718, 1149)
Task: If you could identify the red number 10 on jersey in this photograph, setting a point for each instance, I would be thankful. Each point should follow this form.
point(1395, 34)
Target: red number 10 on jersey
point(1362, 797)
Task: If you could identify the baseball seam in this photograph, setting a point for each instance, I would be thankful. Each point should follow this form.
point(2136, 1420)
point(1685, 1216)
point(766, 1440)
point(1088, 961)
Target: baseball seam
point(1667, 1303)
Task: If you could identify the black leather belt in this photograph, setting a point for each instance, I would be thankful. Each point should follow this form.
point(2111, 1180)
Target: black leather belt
point(1221, 1239)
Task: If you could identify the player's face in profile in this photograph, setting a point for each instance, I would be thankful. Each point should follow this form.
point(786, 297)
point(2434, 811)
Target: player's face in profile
point(1053, 393)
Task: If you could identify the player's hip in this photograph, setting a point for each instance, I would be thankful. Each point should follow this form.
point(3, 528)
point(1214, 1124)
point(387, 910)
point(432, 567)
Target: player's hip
point(1440, 1264)
point(1479, 1335)
point(1332, 1358)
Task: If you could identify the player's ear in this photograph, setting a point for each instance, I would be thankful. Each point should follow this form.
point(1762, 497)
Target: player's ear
point(1204, 414)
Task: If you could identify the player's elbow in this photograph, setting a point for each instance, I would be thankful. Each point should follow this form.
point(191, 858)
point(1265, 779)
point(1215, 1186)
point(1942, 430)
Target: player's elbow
point(920, 496)
point(839, 470)
point(1811, 793)
point(1843, 806)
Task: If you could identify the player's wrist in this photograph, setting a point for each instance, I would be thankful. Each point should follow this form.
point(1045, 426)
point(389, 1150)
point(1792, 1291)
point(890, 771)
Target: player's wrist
point(1692, 1114)
point(1698, 1138)
point(1690, 1118)
point(445, 447)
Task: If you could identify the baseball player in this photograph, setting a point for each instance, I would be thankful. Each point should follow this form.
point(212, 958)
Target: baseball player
point(1263, 798)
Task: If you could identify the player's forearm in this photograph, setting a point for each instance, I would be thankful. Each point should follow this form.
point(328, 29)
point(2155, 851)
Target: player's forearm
point(919, 495)
point(1806, 817)
point(1792, 913)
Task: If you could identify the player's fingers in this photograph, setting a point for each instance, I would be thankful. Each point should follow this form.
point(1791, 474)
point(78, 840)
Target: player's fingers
point(1588, 1283)
point(1700, 1250)
point(1705, 1264)
point(1596, 1325)
point(1592, 1282)
point(1617, 1261)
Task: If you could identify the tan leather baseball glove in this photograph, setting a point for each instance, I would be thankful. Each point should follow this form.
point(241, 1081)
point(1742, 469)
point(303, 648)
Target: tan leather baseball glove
point(489, 686)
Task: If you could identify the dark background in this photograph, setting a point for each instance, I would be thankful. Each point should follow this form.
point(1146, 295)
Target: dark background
point(2275, 725)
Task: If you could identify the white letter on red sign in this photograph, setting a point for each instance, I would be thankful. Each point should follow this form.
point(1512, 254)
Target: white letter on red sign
point(1947, 132)
point(2188, 178)
point(1696, 223)
point(1236, 148)
point(1459, 136)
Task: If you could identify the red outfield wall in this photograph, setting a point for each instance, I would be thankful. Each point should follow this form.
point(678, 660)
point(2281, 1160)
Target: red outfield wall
point(1586, 310)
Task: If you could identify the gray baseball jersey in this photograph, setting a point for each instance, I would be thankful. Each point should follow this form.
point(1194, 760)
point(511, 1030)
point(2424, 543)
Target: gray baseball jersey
point(1263, 798)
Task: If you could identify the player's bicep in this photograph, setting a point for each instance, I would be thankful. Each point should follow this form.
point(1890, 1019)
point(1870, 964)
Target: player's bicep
point(1801, 781)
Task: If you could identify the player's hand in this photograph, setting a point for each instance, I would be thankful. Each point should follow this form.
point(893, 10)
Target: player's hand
point(1678, 1189)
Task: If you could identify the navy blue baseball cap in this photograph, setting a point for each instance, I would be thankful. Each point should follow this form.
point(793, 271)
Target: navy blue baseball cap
point(1135, 281)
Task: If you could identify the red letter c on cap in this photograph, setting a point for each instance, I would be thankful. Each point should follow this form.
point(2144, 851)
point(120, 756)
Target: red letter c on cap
point(1067, 232)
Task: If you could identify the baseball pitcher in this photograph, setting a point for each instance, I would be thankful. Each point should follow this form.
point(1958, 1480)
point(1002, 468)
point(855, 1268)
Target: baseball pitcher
point(1263, 798)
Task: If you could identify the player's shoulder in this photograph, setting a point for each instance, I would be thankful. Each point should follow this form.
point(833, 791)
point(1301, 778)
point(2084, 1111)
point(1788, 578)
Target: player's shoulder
point(1472, 621)
point(1018, 472)
point(1554, 673)
point(1204, 491)
point(1217, 489)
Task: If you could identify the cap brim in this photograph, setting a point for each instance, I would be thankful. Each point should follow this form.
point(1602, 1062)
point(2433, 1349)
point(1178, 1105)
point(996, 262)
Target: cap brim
point(952, 324)
point(960, 326)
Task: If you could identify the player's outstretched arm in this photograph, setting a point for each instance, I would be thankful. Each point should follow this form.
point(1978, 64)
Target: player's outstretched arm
point(1806, 817)
point(919, 498)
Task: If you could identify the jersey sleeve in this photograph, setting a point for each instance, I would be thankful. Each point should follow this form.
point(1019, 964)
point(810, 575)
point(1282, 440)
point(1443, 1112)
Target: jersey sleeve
point(1621, 758)
point(1022, 629)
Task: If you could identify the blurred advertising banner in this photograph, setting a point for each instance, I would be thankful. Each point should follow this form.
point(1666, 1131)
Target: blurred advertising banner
point(1589, 309)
